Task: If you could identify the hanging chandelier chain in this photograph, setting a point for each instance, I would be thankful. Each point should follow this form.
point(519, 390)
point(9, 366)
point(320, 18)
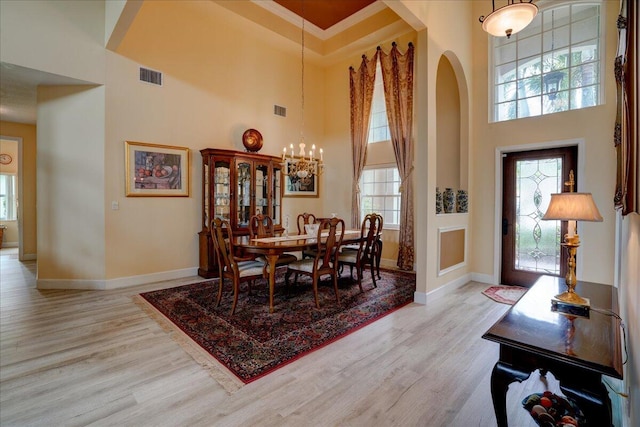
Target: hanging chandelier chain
point(305, 167)
point(302, 79)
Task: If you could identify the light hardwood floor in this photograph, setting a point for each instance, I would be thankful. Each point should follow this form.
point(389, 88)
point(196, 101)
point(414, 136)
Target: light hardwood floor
point(72, 358)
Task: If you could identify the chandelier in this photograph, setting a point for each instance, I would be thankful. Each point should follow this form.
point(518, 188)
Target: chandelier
point(509, 19)
point(303, 167)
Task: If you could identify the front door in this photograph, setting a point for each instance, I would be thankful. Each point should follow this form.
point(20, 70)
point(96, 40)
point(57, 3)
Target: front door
point(532, 246)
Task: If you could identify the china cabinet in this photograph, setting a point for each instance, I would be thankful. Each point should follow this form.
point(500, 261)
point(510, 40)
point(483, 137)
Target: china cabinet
point(235, 186)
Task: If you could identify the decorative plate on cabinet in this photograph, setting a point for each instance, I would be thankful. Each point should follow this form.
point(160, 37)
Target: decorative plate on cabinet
point(5, 159)
point(252, 140)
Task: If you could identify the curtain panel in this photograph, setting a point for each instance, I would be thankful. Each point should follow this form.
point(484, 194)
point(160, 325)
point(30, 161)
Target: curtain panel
point(397, 75)
point(626, 126)
point(361, 83)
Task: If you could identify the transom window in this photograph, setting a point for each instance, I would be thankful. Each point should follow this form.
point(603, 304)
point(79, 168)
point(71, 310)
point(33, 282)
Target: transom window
point(552, 65)
point(380, 193)
point(378, 124)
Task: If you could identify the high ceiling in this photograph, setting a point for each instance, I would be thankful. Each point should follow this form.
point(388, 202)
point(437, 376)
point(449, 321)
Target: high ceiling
point(322, 13)
point(324, 20)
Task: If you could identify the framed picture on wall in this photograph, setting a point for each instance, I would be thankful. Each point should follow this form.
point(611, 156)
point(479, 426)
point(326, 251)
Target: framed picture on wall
point(296, 182)
point(156, 170)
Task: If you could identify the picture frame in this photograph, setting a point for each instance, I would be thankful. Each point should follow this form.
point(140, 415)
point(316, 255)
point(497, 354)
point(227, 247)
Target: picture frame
point(154, 170)
point(300, 187)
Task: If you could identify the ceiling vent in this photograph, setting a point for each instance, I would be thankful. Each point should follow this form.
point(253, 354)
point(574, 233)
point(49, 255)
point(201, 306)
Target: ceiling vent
point(280, 111)
point(150, 76)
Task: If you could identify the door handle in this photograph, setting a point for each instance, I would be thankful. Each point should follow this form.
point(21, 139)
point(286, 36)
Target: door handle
point(505, 226)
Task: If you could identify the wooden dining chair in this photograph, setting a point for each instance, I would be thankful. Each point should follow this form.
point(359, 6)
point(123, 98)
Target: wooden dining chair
point(228, 267)
point(367, 253)
point(325, 261)
point(261, 226)
point(304, 219)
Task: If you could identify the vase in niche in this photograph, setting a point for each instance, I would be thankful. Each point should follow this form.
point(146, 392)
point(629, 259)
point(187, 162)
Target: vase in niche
point(462, 201)
point(449, 200)
point(438, 201)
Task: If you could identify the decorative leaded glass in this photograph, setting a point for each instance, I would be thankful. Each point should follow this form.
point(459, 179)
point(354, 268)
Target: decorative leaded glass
point(537, 242)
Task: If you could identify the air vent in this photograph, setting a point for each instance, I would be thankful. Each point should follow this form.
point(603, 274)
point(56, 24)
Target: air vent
point(280, 111)
point(150, 76)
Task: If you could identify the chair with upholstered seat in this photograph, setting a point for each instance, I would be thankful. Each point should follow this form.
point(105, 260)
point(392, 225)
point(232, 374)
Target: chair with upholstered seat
point(367, 251)
point(229, 267)
point(325, 261)
point(261, 226)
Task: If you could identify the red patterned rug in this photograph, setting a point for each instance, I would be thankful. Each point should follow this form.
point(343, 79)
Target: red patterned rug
point(505, 294)
point(253, 342)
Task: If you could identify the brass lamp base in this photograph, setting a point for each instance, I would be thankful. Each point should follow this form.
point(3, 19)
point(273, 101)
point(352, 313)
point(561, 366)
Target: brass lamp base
point(570, 297)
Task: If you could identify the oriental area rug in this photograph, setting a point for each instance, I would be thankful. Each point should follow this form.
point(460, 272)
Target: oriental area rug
point(505, 294)
point(253, 342)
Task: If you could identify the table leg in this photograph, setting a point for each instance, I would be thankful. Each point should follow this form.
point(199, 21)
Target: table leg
point(592, 398)
point(272, 278)
point(501, 377)
point(378, 256)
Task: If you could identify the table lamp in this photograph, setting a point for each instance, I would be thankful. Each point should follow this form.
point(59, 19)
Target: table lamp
point(572, 207)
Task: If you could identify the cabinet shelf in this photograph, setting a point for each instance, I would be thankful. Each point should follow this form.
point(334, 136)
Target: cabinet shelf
point(235, 186)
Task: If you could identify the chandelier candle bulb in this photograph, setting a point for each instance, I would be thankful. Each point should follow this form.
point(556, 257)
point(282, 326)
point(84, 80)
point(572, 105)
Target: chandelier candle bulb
point(284, 153)
point(291, 151)
point(321, 154)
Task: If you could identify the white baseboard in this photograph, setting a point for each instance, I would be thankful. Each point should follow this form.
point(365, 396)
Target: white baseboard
point(423, 298)
point(484, 278)
point(123, 282)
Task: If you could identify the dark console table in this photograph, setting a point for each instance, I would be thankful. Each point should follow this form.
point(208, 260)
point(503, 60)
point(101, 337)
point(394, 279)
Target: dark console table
point(577, 350)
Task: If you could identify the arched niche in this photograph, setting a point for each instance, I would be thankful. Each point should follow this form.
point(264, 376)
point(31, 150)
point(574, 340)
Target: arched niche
point(452, 124)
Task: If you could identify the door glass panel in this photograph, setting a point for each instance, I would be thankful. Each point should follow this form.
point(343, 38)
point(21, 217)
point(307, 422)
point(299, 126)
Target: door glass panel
point(275, 195)
point(262, 189)
point(537, 242)
point(221, 189)
point(244, 193)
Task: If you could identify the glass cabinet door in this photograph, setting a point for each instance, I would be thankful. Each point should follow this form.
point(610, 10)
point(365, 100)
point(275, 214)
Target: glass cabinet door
point(276, 194)
point(262, 189)
point(222, 189)
point(243, 193)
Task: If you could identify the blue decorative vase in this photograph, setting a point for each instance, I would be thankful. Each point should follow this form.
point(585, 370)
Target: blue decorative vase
point(438, 201)
point(462, 201)
point(449, 200)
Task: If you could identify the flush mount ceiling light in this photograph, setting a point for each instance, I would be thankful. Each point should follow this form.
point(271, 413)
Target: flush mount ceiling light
point(509, 19)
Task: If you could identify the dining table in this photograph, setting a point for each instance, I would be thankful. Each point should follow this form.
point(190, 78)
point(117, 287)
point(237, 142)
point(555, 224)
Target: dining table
point(272, 247)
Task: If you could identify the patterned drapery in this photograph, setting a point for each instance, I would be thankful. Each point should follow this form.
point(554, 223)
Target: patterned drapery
point(626, 127)
point(397, 76)
point(361, 83)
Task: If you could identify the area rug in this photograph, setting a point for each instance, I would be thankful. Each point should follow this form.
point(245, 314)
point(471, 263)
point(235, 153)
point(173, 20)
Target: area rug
point(505, 294)
point(254, 342)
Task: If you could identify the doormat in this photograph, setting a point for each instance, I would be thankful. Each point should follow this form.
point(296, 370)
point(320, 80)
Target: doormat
point(505, 294)
point(253, 342)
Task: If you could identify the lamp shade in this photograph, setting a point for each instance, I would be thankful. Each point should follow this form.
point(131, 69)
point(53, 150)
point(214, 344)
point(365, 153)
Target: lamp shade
point(572, 207)
point(509, 19)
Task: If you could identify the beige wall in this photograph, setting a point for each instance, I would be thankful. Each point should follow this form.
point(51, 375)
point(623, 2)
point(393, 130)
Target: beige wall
point(448, 128)
point(63, 37)
point(593, 125)
point(10, 147)
point(455, 41)
point(28, 209)
point(629, 296)
point(71, 182)
point(212, 93)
